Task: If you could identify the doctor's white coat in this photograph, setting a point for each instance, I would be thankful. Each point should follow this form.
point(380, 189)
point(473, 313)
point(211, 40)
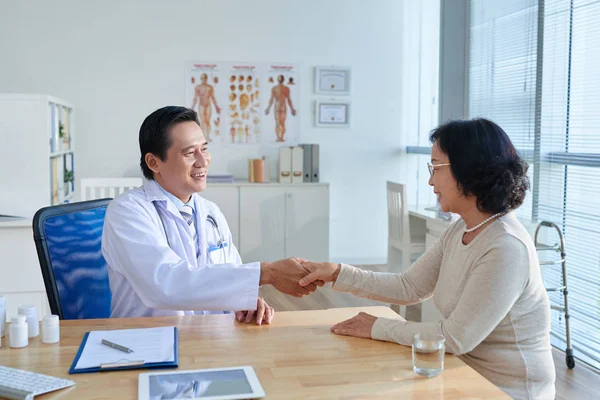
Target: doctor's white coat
point(152, 265)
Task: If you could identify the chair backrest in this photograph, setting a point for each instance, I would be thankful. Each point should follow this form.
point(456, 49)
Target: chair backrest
point(398, 228)
point(68, 240)
point(99, 188)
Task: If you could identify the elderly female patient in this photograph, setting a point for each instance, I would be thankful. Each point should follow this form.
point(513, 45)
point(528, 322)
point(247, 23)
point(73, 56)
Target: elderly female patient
point(483, 271)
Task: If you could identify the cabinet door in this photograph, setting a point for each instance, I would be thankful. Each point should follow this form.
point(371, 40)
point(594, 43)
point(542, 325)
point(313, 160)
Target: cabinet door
point(20, 268)
point(227, 198)
point(262, 223)
point(307, 222)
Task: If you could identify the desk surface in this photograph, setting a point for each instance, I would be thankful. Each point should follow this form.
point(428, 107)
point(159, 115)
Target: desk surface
point(295, 357)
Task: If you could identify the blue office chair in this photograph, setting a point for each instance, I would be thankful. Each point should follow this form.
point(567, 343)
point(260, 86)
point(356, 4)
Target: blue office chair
point(68, 241)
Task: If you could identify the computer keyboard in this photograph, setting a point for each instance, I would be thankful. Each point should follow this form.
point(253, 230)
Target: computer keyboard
point(17, 384)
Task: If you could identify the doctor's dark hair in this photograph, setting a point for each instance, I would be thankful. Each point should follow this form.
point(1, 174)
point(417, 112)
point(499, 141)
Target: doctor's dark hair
point(154, 133)
point(485, 163)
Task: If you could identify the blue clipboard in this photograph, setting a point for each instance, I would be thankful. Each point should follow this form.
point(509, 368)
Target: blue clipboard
point(127, 365)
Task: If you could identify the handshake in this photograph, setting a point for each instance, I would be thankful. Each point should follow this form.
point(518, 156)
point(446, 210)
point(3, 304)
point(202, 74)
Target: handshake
point(297, 277)
point(292, 276)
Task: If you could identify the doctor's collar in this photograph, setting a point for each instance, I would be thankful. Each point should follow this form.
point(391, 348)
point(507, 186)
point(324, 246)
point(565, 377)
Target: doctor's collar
point(156, 192)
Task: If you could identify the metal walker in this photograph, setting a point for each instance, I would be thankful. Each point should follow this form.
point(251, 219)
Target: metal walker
point(559, 248)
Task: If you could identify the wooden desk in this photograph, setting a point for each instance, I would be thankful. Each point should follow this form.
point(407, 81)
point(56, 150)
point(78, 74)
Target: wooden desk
point(295, 357)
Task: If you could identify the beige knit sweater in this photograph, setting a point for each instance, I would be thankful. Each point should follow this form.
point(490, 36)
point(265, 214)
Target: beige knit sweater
point(490, 292)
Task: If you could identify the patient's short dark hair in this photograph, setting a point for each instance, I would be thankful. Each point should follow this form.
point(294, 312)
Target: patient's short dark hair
point(484, 162)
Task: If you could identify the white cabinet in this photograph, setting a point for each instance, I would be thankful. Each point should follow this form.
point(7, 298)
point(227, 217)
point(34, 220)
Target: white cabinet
point(307, 223)
point(20, 274)
point(273, 221)
point(36, 154)
point(262, 223)
point(279, 221)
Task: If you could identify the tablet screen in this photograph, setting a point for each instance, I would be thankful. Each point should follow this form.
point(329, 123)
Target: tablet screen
point(199, 384)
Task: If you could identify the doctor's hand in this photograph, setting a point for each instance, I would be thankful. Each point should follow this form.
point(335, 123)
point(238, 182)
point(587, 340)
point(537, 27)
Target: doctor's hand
point(263, 313)
point(285, 276)
point(319, 272)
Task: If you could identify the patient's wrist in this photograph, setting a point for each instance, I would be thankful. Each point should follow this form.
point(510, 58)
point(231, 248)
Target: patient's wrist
point(337, 272)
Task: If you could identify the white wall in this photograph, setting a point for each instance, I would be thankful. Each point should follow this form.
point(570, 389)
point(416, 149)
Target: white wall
point(117, 61)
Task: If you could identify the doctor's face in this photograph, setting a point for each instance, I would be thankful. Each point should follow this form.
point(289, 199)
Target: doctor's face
point(184, 170)
point(444, 185)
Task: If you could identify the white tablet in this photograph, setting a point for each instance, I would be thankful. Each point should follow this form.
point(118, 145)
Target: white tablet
point(206, 384)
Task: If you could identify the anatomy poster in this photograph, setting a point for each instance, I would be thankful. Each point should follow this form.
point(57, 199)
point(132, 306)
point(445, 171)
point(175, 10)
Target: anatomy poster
point(245, 103)
point(282, 123)
point(204, 94)
point(243, 113)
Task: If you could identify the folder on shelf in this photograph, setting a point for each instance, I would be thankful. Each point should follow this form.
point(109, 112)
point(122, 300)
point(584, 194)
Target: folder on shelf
point(311, 162)
point(54, 181)
point(67, 138)
point(307, 164)
point(152, 348)
point(297, 164)
point(61, 178)
point(53, 133)
point(315, 163)
point(285, 164)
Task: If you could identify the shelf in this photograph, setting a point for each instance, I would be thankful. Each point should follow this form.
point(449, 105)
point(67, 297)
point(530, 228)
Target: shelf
point(60, 153)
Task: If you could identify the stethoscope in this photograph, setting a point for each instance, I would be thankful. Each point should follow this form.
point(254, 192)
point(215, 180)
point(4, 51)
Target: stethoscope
point(221, 239)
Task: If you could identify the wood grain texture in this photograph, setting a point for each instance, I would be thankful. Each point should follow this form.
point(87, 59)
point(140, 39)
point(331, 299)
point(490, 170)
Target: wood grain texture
point(295, 357)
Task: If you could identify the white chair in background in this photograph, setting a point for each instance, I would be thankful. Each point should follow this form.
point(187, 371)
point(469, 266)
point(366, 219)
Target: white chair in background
point(401, 246)
point(99, 188)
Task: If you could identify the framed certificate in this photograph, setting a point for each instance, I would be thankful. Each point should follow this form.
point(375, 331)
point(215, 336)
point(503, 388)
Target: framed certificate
point(332, 114)
point(332, 80)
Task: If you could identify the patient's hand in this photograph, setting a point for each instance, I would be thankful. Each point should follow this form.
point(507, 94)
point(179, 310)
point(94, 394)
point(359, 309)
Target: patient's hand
point(263, 313)
point(319, 271)
point(359, 326)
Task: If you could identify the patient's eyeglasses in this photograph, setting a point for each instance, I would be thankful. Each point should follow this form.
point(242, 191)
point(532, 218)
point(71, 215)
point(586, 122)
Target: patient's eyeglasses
point(433, 167)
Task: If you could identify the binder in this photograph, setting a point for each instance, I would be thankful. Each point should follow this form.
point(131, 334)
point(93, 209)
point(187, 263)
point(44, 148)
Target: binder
point(53, 133)
point(54, 161)
point(285, 165)
point(297, 167)
point(307, 164)
point(118, 365)
point(315, 163)
point(61, 178)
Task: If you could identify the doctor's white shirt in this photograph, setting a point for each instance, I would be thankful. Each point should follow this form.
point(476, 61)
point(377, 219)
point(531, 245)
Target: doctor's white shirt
point(156, 269)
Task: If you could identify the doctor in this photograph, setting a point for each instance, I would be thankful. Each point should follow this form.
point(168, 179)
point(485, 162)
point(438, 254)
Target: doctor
point(169, 251)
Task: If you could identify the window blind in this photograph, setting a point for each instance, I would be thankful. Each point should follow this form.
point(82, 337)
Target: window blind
point(542, 86)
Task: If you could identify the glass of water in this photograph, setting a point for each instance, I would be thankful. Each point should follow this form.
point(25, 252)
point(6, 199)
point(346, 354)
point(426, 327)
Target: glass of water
point(428, 351)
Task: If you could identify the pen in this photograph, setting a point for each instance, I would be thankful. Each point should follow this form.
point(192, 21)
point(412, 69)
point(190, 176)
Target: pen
point(116, 346)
